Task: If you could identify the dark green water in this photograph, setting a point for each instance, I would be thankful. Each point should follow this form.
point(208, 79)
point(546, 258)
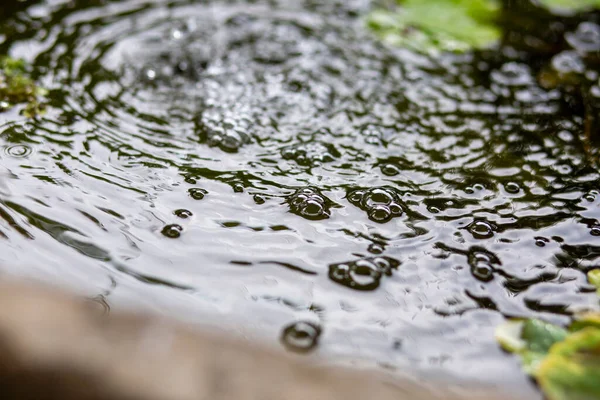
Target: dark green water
point(268, 162)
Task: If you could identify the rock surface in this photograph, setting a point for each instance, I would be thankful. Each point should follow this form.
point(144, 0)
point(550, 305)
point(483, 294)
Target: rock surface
point(54, 346)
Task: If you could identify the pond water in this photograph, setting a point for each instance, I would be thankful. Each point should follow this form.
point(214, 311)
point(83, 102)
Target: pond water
point(272, 164)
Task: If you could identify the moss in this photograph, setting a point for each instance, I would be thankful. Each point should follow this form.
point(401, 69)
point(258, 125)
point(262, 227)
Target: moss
point(17, 88)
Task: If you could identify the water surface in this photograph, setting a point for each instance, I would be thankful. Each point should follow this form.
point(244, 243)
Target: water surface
point(269, 162)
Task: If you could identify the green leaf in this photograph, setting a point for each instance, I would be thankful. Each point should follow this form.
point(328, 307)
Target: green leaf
point(585, 320)
point(572, 369)
point(570, 6)
point(594, 278)
point(531, 339)
point(439, 25)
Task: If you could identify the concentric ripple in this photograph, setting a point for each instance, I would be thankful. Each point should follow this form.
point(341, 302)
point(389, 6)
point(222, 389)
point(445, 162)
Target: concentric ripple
point(180, 133)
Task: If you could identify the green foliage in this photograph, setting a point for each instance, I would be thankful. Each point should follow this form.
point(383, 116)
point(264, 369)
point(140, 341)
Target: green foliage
point(531, 339)
point(570, 6)
point(439, 25)
point(571, 371)
point(594, 278)
point(17, 88)
point(565, 363)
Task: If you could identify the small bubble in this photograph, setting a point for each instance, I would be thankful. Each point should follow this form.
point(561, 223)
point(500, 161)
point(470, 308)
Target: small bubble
point(172, 231)
point(512, 187)
point(364, 274)
point(377, 196)
point(183, 214)
point(390, 170)
point(301, 337)
point(541, 241)
point(591, 196)
point(380, 214)
point(356, 197)
point(481, 262)
point(197, 194)
point(481, 229)
point(586, 38)
point(258, 199)
point(595, 231)
point(238, 188)
point(375, 248)
point(483, 272)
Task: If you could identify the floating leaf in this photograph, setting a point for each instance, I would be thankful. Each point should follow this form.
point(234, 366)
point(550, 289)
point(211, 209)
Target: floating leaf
point(570, 6)
point(439, 25)
point(572, 369)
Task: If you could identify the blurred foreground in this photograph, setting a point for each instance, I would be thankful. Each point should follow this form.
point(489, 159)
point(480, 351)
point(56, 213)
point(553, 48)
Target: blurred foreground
point(54, 346)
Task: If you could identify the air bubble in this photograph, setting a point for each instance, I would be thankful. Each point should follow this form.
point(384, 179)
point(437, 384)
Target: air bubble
point(390, 170)
point(258, 199)
point(586, 38)
point(483, 272)
point(301, 337)
point(172, 231)
point(380, 214)
point(197, 194)
point(238, 188)
point(183, 214)
point(375, 248)
point(482, 264)
point(481, 229)
point(595, 231)
point(512, 187)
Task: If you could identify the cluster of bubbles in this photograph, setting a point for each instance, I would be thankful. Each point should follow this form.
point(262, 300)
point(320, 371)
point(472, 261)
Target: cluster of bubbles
point(381, 203)
point(228, 136)
point(363, 274)
point(310, 203)
point(310, 154)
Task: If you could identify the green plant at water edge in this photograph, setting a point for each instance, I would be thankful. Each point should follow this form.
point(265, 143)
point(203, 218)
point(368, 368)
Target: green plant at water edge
point(438, 25)
point(565, 362)
point(594, 278)
point(17, 88)
point(570, 5)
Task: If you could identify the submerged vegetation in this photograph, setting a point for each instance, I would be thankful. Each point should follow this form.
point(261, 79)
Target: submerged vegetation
point(17, 88)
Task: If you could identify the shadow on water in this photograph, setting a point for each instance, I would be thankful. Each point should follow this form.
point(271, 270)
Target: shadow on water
point(250, 151)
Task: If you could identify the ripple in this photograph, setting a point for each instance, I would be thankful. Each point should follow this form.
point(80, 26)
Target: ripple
point(18, 151)
point(214, 109)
